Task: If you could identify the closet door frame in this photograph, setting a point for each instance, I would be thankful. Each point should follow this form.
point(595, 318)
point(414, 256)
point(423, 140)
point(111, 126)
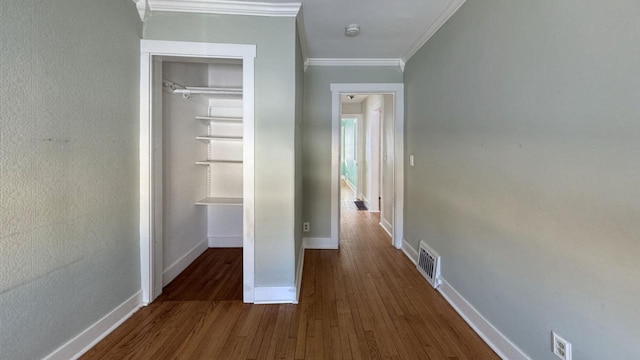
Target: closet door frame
point(150, 163)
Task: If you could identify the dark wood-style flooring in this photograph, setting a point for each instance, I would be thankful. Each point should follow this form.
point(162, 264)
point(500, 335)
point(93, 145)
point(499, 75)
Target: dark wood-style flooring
point(364, 301)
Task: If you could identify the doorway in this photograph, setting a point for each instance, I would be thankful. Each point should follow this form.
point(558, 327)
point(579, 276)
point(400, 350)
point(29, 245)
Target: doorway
point(383, 169)
point(151, 154)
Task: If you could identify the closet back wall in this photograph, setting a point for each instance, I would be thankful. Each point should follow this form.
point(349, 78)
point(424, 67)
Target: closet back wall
point(184, 225)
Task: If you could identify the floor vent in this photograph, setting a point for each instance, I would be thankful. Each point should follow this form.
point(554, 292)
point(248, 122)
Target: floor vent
point(429, 264)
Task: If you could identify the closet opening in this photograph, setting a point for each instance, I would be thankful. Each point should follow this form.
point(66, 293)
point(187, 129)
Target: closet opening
point(202, 157)
point(197, 169)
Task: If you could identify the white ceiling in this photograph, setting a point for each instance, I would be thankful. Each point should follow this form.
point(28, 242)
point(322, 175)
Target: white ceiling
point(389, 29)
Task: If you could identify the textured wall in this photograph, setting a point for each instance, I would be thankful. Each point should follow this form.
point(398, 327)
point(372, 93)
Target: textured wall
point(274, 124)
point(69, 250)
point(316, 135)
point(524, 118)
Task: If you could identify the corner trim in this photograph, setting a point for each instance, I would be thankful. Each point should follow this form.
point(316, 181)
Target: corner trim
point(84, 341)
point(275, 295)
point(302, 34)
point(445, 15)
point(319, 243)
point(492, 336)
point(227, 7)
point(183, 262)
point(399, 63)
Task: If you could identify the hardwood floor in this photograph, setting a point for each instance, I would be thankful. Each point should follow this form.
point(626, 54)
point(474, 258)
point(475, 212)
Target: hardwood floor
point(364, 301)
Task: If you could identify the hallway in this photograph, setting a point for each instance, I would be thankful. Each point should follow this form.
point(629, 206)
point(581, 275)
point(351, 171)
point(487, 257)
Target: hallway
point(364, 301)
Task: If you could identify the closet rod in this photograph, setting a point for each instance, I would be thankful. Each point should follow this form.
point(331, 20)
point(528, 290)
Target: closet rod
point(187, 91)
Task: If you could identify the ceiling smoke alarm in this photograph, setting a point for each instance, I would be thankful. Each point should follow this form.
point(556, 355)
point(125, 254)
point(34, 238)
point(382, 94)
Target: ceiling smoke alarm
point(352, 30)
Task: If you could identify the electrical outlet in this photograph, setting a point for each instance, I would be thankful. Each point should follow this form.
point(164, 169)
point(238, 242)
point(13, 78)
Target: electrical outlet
point(560, 347)
point(306, 227)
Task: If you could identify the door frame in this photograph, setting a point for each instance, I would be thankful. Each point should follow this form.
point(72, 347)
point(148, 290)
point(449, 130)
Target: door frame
point(151, 160)
point(396, 89)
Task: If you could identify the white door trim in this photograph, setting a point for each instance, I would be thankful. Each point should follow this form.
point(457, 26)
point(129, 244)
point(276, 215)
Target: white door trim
point(150, 241)
point(397, 90)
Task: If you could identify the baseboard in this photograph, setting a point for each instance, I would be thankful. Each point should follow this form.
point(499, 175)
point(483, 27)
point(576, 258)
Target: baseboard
point(177, 267)
point(319, 243)
point(84, 341)
point(299, 272)
point(386, 226)
point(350, 185)
point(410, 252)
point(225, 241)
point(493, 337)
point(275, 295)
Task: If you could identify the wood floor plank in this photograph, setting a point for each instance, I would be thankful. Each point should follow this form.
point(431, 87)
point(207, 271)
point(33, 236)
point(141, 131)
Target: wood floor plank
point(363, 301)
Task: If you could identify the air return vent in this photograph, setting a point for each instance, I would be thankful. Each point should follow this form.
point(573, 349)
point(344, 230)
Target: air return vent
point(429, 264)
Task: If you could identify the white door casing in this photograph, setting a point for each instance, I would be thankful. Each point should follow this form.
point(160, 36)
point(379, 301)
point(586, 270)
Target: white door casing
point(397, 89)
point(151, 162)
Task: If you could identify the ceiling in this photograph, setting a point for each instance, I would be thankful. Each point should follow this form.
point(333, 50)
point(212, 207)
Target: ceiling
point(389, 30)
point(357, 99)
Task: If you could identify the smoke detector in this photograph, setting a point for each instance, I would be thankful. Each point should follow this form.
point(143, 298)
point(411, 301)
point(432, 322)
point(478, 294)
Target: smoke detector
point(352, 30)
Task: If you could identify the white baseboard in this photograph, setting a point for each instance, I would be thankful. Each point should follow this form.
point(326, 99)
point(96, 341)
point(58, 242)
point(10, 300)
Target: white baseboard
point(275, 295)
point(319, 243)
point(410, 252)
point(386, 226)
point(299, 272)
point(492, 336)
point(350, 185)
point(177, 267)
point(225, 241)
point(84, 341)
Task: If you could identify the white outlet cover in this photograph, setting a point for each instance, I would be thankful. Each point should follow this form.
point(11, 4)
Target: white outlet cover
point(560, 347)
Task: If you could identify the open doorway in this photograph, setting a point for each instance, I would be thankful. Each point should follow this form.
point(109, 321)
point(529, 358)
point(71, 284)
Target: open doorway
point(366, 156)
point(368, 161)
point(196, 167)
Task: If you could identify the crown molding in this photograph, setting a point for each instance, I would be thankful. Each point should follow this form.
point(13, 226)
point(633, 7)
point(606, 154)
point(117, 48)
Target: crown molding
point(399, 63)
point(225, 7)
point(143, 9)
point(447, 13)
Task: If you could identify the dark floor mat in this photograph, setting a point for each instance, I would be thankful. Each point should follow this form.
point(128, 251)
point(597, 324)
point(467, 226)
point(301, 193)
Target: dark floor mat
point(360, 205)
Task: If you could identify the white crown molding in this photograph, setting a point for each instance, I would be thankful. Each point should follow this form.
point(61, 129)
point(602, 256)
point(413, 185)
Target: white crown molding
point(225, 7)
point(143, 9)
point(399, 63)
point(447, 13)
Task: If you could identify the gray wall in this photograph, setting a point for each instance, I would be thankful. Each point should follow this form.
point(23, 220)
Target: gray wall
point(316, 135)
point(524, 118)
point(69, 251)
point(274, 121)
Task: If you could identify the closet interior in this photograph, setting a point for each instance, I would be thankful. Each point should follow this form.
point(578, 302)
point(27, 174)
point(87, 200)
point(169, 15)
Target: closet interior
point(202, 147)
